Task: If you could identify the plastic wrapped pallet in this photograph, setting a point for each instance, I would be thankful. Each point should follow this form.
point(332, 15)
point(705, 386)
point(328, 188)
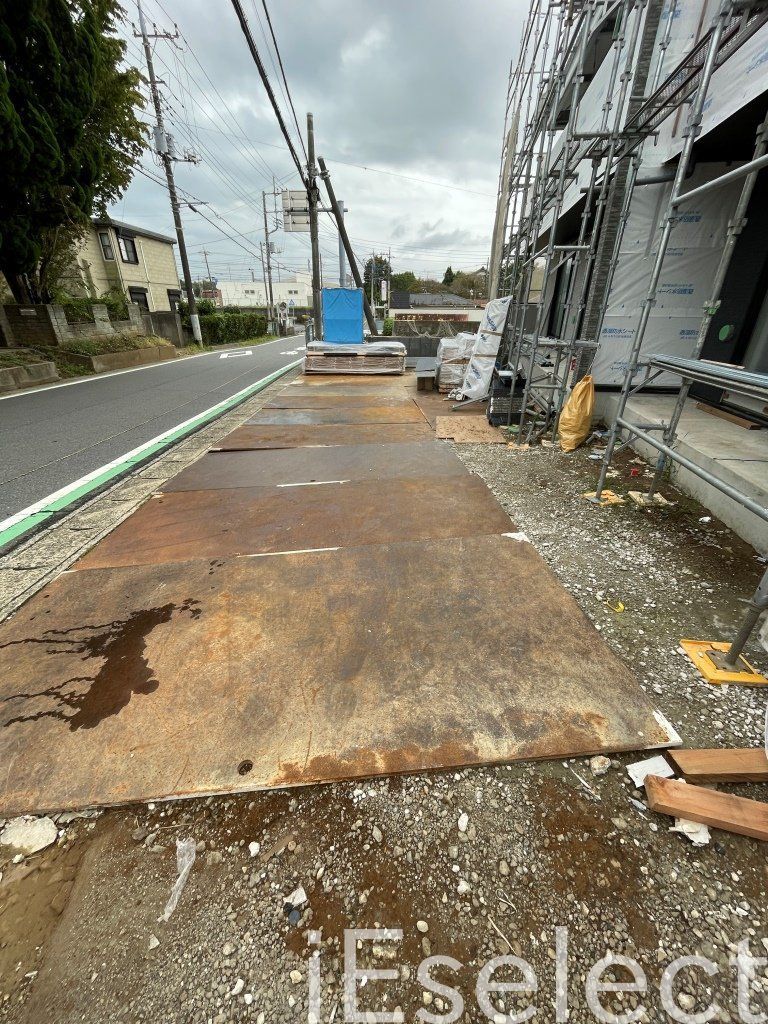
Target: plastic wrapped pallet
point(477, 379)
point(372, 357)
point(452, 360)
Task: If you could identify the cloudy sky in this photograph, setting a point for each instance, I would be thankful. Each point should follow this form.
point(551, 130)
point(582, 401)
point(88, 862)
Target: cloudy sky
point(415, 88)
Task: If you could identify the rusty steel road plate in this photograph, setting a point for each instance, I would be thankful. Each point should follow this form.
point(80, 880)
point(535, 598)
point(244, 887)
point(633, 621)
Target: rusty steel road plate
point(325, 401)
point(203, 677)
point(265, 436)
point(272, 467)
point(259, 520)
point(409, 413)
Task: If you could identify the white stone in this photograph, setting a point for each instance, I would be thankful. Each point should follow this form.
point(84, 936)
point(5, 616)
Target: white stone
point(28, 834)
point(463, 821)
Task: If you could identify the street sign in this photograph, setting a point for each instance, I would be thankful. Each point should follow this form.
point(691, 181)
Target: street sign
point(295, 222)
point(295, 210)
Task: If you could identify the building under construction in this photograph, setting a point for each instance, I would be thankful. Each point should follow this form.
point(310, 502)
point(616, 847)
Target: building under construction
point(631, 179)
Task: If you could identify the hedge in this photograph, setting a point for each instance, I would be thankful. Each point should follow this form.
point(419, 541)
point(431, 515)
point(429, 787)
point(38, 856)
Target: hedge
point(221, 328)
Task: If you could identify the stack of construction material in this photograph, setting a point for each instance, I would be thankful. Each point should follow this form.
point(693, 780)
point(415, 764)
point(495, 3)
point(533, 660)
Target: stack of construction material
point(374, 357)
point(477, 379)
point(452, 361)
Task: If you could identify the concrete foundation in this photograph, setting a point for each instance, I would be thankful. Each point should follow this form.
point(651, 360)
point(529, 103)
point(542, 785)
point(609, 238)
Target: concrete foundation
point(726, 450)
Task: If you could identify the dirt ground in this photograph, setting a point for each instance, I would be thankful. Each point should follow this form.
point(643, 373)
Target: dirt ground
point(540, 846)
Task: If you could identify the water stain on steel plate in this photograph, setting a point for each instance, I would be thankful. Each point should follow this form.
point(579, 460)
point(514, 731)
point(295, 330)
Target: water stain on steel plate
point(314, 667)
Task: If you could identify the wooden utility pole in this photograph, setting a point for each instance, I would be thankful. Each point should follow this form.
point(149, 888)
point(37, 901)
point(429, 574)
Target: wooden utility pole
point(271, 309)
point(161, 147)
point(313, 196)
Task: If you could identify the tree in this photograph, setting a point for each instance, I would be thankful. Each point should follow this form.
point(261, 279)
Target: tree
point(448, 277)
point(69, 132)
point(381, 273)
point(404, 282)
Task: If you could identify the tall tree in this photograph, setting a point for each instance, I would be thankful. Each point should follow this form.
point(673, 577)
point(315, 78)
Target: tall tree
point(448, 276)
point(69, 132)
point(379, 267)
point(403, 281)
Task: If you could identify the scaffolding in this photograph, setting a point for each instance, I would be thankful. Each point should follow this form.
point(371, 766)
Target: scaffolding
point(553, 150)
point(554, 157)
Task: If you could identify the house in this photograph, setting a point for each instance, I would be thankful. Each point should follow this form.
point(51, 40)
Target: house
point(295, 290)
point(138, 262)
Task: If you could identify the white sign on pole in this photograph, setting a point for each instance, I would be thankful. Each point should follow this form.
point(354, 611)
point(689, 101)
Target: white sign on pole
point(295, 210)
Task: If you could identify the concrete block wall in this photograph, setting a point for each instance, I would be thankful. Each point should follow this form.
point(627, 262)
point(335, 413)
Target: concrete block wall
point(164, 325)
point(47, 325)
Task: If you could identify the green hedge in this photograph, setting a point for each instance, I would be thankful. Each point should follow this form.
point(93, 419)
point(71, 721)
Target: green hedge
point(222, 328)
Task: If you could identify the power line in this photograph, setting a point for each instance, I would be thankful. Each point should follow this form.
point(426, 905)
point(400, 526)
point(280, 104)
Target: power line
point(265, 80)
point(285, 80)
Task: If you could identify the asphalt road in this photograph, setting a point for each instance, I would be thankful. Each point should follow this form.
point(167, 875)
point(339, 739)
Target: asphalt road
point(51, 437)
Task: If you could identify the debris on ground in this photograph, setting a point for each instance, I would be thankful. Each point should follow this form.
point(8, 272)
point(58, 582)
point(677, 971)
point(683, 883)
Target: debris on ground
point(28, 835)
point(185, 857)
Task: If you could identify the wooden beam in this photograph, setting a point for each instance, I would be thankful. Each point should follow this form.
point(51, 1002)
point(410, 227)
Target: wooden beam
point(732, 417)
point(720, 810)
point(739, 765)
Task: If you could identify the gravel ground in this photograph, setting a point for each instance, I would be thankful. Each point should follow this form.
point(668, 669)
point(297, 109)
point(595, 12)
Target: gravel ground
point(471, 864)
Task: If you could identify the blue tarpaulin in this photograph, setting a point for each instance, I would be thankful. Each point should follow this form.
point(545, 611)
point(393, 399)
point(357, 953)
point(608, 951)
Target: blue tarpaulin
point(343, 316)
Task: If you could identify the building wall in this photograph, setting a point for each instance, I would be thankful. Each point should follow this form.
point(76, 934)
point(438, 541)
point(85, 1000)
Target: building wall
point(254, 293)
point(156, 270)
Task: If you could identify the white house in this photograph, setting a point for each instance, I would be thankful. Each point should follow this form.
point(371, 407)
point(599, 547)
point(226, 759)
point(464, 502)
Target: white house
point(295, 290)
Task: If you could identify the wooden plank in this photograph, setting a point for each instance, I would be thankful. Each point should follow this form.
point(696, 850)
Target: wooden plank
point(750, 765)
point(732, 417)
point(720, 810)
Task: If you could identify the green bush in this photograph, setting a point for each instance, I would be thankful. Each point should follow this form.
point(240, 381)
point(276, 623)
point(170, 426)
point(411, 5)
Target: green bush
point(204, 308)
point(79, 310)
point(112, 343)
point(389, 323)
point(223, 328)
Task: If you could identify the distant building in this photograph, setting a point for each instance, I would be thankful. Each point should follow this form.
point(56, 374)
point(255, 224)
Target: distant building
point(295, 290)
point(138, 262)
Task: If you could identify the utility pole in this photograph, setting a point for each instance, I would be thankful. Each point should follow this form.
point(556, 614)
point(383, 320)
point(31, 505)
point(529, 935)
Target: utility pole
point(313, 196)
point(208, 269)
point(342, 269)
point(270, 311)
point(161, 148)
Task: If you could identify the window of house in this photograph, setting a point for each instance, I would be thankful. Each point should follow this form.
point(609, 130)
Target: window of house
point(174, 298)
point(139, 296)
point(106, 245)
point(128, 251)
point(293, 291)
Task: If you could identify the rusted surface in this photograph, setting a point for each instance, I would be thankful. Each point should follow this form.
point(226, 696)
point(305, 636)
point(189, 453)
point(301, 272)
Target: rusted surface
point(265, 436)
point(409, 413)
point(269, 468)
point(334, 401)
point(140, 683)
point(377, 382)
point(259, 520)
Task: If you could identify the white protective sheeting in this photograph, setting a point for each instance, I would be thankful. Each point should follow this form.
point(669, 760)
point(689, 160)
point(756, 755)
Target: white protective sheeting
point(686, 278)
point(477, 379)
point(452, 356)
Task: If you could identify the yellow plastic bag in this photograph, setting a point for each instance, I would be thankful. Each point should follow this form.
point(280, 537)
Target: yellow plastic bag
point(576, 417)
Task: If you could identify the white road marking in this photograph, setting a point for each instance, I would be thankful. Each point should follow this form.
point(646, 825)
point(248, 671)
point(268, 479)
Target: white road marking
point(40, 506)
point(118, 373)
point(234, 355)
point(314, 483)
point(298, 551)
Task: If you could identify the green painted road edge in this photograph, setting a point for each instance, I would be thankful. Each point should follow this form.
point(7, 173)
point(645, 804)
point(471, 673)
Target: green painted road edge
point(35, 519)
